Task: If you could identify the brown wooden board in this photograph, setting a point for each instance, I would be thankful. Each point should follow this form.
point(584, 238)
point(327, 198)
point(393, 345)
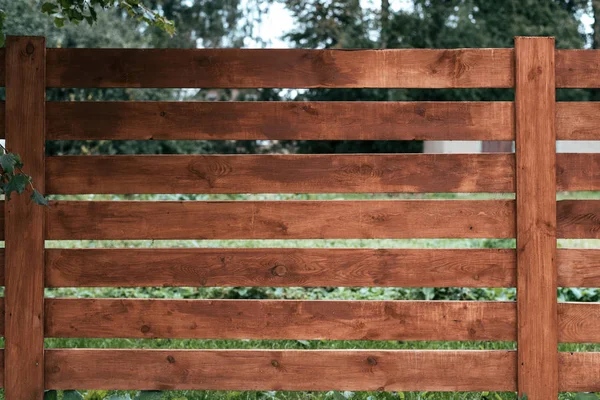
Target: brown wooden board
point(319, 370)
point(412, 173)
point(108, 220)
point(577, 68)
point(280, 68)
point(382, 173)
point(281, 319)
point(578, 322)
point(578, 171)
point(281, 267)
point(536, 218)
point(578, 219)
point(578, 268)
point(24, 225)
point(578, 120)
point(579, 372)
point(279, 120)
point(288, 267)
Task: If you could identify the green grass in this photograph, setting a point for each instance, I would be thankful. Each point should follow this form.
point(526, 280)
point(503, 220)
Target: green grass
point(311, 293)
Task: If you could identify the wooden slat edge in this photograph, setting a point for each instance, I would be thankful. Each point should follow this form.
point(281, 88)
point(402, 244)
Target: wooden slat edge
point(280, 68)
point(315, 370)
point(579, 372)
point(281, 319)
point(314, 173)
point(279, 120)
point(578, 219)
point(281, 267)
point(78, 220)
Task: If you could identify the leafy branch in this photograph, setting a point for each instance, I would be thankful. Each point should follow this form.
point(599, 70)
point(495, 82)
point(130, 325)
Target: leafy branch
point(13, 179)
point(76, 11)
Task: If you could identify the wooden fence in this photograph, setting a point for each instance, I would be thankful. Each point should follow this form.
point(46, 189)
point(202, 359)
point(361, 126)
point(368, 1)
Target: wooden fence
point(535, 173)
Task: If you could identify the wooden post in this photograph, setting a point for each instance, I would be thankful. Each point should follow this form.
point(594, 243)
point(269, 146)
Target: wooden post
point(24, 221)
point(536, 218)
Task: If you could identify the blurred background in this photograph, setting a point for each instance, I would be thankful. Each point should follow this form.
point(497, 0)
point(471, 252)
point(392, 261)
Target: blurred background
point(313, 24)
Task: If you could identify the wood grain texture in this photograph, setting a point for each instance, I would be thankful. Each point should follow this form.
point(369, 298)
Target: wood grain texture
point(318, 370)
point(577, 68)
point(579, 372)
point(381, 173)
point(279, 120)
point(536, 218)
point(578, 268)
point(578, 171)
point(410, 173)
point(24, 225)
point(578, 219)
point(304, 267)
point(280, 267)
point(2, 358)
point(277, 319)
point(578, 322)
point(578, 120)
point(280, 68)
point(78, 220)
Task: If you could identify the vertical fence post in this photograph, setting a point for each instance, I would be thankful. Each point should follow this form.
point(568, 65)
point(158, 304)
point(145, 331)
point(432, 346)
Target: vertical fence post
point(24, 221)
point(536, 218)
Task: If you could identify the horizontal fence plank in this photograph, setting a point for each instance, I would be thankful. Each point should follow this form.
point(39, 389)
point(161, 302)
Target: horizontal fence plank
point(578, 322)
point(578, 171)
point(578, 120)
point(277, 319)
point(287, 267)
point(577, 68)
point(280, 68)
point(578, 268)
point(309, 320)
point(281, 267)
point(78, 220)
point(331, 173)
point(318, 370)
point(579, 372)
point(280, 120)
point(578, 219)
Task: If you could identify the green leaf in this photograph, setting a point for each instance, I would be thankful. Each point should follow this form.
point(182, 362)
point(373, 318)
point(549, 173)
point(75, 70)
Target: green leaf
point(119, 397)
point(49, 8)
point(42, 201)
point(586, 396)
point(59, 22)
point(8, 162)
point(50, 395)
point(16, 183)
point(149, 395)
point(71, 394)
